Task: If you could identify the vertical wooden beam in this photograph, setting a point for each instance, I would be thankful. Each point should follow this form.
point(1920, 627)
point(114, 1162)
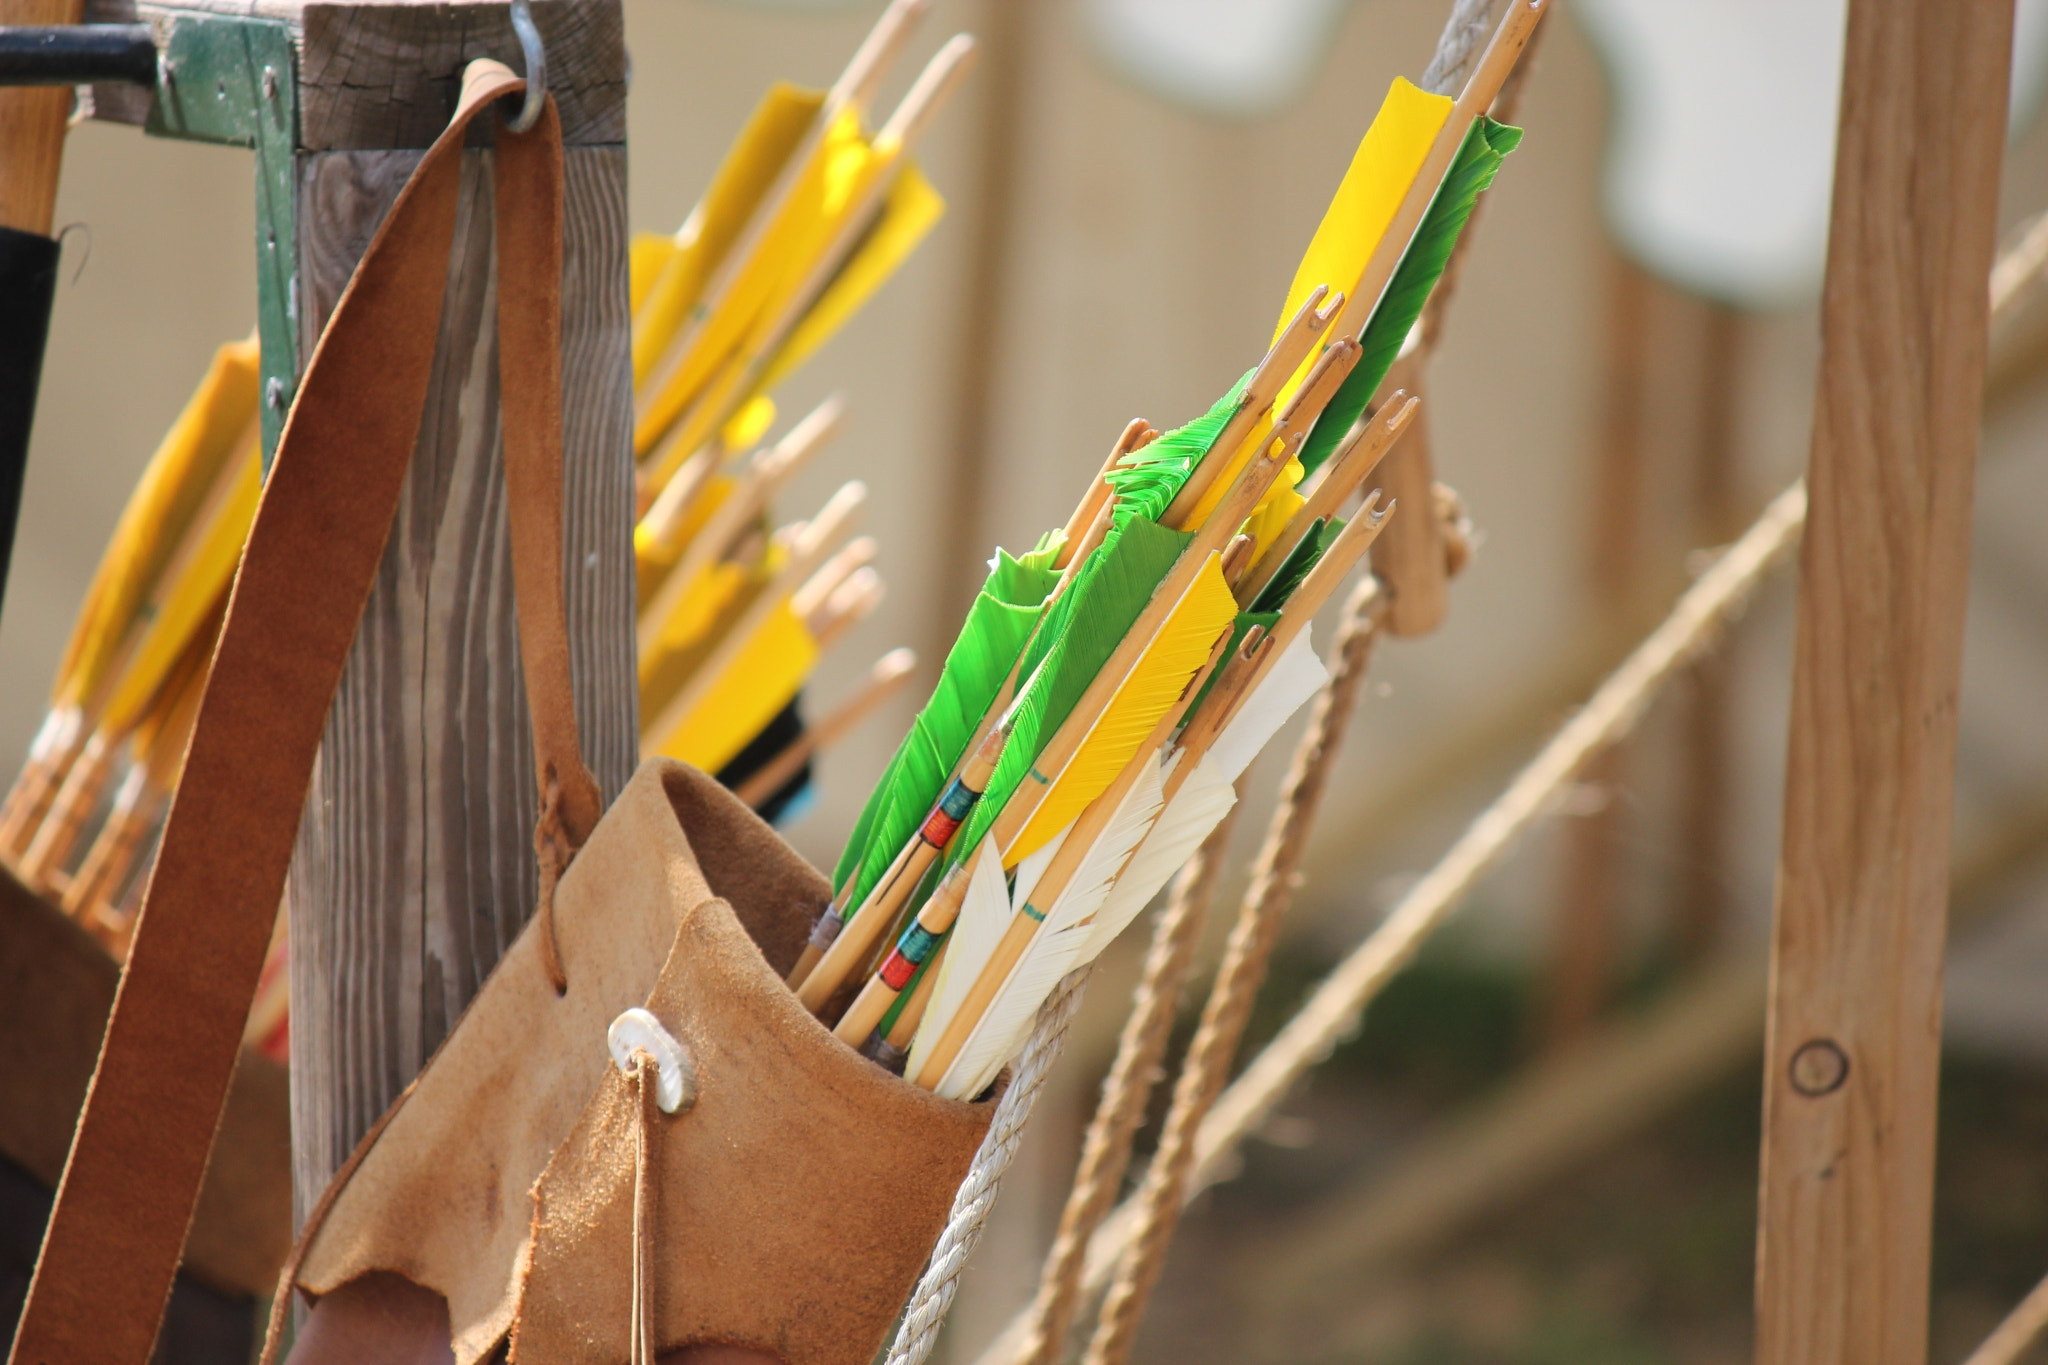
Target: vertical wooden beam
point(1580, 972)
point(1700, 898)
point(415, 865)
point(1852, 1059)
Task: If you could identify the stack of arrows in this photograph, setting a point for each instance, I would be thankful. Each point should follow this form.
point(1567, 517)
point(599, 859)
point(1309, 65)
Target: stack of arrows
point(806, 217)
point(1109, 686)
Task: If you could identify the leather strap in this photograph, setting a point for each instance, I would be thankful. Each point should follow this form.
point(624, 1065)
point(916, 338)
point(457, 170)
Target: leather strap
point(141, 1145)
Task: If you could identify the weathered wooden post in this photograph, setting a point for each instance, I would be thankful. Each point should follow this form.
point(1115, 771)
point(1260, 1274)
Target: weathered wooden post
point(415, 863)
point(1853, 1053)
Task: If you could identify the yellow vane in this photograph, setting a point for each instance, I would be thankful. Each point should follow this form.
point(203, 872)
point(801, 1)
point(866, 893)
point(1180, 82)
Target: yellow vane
point(192, 586)
point(772, 134)
point(714, 600)
point(213, 424)
point(911, 210)
point(786, 250)
point(1153, 684)
point(763, 677)
point(653, 558)
point(1391, 152)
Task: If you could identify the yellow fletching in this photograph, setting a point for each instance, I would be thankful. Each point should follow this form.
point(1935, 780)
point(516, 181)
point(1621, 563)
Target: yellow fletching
point(911, 210)
point(713, 598)
point(1384, 166)
point(191, 587)
point(749, 424)
point(1391, 152)
point(776, 267)
point(757, 156)
point(1153, 684)
point(647, 256)
point(1281, 503)
point(763, 677)
point(159, 511)
point(652, 559)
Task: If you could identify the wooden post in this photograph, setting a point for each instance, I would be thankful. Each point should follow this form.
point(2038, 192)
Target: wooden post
point(1852, 1058)
point(415, 862)
point(415, 867)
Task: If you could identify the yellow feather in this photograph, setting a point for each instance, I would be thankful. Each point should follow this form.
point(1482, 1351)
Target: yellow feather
point(647, 256)
point(763, 677)
point(158, 513)
point(652, 560)
point(749, 424)
point(1152, 685)
point(1275, 511)
point(1391, 152)
point(716, 597)
point(191, 587)
point(704, 383)
point(751, 165)
point(911, 210)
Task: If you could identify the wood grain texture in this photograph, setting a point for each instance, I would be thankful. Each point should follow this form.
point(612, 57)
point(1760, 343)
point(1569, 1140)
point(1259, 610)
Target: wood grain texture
point(374, 77)
point(415, 864)
point(1848, 1162)
point(32, 129)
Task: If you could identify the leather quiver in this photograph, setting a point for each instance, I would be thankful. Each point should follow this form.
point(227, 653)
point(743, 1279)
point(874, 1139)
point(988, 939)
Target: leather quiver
point(796, 1198)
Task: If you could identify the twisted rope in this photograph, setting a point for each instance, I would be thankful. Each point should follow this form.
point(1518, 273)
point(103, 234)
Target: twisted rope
point(1106, 1151)
point(919, 1331)
point(1243, 969)
point(1464, 38)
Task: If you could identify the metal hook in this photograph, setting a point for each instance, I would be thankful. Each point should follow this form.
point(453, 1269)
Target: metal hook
point(536, 66)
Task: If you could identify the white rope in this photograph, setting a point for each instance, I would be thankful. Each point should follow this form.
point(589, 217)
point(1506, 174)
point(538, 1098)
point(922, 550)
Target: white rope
point(1464, 37)
point(919, 1332)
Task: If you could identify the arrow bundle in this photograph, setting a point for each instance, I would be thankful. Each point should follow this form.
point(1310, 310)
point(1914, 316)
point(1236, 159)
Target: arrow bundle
point(807, 216)
point(1109, 686)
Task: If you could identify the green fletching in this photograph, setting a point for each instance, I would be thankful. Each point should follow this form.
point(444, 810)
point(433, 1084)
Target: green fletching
point(1092, 617)
point(997, 626)
point(1147, 481)
point(1486, 145)
point(1295, 567)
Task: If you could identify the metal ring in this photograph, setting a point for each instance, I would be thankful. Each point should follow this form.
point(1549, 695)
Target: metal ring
point(536, 66)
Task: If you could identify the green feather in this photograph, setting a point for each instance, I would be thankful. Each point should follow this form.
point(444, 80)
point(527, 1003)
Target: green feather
point(997, 626)
point(1147, 481)
point(1295, 567)
point(1081, 631)
point(1486, 145)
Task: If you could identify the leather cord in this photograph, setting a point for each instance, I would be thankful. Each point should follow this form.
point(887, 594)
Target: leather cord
point(141, 1146)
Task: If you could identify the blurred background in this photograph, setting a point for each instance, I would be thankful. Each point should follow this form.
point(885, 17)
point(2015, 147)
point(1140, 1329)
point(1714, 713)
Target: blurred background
point(1626, 380)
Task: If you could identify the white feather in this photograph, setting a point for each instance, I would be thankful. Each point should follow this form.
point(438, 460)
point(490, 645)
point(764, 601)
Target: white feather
point(1060, 945)
point(1032, 868)
point(1295, 676)
point(1202, 801)
point(984, 915)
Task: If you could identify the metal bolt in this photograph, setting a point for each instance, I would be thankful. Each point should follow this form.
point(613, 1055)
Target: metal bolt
point(273, 393)
point(270, 83)
point(1819, 1067)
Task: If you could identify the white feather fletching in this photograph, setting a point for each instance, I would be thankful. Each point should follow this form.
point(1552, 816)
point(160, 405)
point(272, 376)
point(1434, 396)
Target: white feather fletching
point(1295, 676)
point(1061, 944)
point(1200, 804)
point(984, 915)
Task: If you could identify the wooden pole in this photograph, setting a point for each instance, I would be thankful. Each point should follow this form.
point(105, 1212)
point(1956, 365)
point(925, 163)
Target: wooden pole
point(415, 865)
point(1852, 1054)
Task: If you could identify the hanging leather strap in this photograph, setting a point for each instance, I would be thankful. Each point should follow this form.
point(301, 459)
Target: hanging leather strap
point(141, 1145)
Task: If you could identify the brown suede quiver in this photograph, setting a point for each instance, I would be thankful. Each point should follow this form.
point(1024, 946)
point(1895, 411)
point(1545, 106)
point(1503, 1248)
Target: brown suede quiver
point(796, 1198)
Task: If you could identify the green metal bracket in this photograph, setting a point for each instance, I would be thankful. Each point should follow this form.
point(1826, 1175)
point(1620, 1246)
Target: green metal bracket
point(234, 81)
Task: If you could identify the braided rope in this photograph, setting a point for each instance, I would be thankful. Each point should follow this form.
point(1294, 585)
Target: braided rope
point(1106, 1151)
point(1238, 978)
point(1464, 37)
point(919, 1332)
